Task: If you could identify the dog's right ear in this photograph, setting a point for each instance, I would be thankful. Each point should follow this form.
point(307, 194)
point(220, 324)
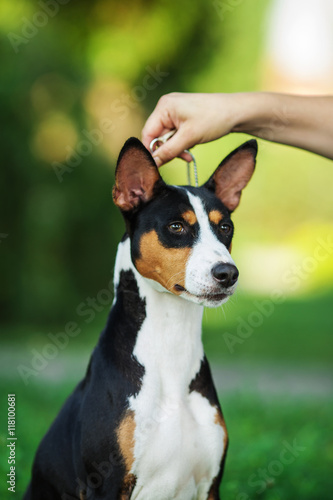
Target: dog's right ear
point(137, 176)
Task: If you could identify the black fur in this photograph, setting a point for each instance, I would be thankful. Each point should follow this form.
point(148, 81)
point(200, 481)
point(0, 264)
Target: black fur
point(169, 206)
point(82, 437)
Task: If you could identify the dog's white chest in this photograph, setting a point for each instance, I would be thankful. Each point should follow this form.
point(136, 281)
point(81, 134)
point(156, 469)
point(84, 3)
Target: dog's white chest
point(178, 443)
point(178, 449)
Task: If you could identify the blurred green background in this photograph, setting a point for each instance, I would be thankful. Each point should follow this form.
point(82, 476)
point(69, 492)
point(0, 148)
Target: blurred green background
point(77, 79)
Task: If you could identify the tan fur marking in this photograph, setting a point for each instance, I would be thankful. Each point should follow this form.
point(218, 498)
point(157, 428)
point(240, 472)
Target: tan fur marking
point(82, 495)
point(230, 247)
point(190, 217)
point(211, 496)
point(164, 265)
point(219, 420)
point(125, 435)
point(128, 487)
point(215, 216)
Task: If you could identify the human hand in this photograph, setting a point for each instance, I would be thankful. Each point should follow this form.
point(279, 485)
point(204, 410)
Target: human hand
point(197, 118)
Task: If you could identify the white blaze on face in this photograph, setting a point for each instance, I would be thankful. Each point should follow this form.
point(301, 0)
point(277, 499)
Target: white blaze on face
point(207, 252)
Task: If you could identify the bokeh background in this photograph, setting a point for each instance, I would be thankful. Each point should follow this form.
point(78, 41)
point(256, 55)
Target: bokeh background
point(77, 79)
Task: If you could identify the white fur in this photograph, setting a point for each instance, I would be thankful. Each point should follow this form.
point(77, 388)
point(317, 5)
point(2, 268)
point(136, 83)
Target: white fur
point(178, 445)
point(123, 262)
point(207, 252)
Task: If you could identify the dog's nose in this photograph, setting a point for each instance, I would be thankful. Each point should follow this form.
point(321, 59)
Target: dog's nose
point(225, 274)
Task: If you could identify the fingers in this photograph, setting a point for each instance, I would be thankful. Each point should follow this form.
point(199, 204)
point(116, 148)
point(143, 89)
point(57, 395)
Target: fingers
point(159, 122)
point(152, 129)
point(172, 148)
point(187, 157)
point(182, 112)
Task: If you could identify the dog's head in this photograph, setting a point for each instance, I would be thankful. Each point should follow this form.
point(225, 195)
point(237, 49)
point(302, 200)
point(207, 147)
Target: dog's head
point(181, 235)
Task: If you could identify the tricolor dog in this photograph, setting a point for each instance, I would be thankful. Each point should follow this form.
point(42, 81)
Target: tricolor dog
point(145, 422)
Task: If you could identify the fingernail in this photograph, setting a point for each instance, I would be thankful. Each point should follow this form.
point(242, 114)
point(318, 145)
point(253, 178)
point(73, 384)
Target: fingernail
point(157, 161)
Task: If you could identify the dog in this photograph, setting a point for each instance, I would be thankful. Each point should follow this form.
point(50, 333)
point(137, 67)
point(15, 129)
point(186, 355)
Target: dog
point(145, 423)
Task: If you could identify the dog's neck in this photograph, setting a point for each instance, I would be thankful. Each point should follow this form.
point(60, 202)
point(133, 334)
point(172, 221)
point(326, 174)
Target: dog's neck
point(169, 309)
point(169, 338)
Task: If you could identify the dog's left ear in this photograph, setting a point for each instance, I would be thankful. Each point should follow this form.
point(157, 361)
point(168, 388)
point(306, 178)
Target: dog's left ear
point(137, 176)
point(233, 174)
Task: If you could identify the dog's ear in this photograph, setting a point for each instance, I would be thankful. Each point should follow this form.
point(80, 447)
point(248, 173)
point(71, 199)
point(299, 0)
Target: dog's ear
point(233, 174)
point(137, 176)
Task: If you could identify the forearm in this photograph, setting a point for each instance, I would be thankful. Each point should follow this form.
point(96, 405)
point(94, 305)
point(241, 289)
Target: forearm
point(301, 121)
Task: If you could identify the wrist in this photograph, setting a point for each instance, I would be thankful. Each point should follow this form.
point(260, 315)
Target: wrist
point(252, 111)
point(263, 114)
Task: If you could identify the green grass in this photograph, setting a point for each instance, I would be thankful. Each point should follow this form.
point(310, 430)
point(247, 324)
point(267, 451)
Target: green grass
point(260, 431)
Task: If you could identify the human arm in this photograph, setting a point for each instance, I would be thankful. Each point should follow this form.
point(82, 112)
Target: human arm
point(302, 121)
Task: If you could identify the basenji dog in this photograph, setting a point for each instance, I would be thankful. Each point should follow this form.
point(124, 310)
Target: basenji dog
point(145, 423)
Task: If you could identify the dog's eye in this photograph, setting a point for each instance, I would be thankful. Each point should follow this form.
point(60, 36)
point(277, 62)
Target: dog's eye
point(225, 229)
point(176, 228)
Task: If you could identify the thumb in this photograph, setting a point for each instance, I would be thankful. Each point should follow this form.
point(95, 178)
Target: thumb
point(175, 146)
